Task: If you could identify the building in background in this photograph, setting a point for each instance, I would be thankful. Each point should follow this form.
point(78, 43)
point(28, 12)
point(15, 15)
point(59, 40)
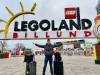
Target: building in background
point(38, 51)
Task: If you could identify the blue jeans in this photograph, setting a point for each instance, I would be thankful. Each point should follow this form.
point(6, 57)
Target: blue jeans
point(50, 59)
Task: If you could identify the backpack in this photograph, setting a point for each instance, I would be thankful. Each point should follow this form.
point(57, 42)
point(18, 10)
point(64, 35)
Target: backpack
point(58, 56)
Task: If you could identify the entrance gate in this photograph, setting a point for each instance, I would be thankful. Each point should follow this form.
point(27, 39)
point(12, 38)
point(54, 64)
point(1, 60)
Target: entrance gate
point(22, 34)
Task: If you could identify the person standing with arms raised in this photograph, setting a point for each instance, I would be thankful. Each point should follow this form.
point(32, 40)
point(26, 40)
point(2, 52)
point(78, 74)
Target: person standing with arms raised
point(48, 50)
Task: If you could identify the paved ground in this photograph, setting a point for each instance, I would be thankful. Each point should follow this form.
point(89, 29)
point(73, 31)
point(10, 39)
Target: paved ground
point(73, 65)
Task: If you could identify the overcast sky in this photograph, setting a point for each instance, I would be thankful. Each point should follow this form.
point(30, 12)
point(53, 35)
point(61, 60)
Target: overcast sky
point(46, 9)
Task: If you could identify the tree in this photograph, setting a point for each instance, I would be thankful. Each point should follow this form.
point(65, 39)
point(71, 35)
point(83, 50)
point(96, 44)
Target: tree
point(14, 49)
point(19, 45)
point(3, 44)
point(23, 49)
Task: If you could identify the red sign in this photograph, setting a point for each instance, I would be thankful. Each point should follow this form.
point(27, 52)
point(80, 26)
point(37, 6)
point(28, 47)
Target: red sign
point(61, 34)
point(70, 13)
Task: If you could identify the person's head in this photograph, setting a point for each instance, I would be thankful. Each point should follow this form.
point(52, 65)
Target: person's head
point(48, 41)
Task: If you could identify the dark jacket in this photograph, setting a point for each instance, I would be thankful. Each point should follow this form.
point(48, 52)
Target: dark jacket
point(48, 49)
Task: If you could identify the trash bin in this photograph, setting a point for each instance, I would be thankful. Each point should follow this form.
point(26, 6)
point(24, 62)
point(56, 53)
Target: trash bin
point(7, 55)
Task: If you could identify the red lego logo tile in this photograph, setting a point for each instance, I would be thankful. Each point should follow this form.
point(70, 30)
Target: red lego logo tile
point(70, 13)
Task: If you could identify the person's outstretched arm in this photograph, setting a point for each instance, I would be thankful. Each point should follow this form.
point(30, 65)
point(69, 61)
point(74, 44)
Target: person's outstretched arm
point(42, 46)
point(57, 45)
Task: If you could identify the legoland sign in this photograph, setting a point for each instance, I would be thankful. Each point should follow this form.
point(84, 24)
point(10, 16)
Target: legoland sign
point(82, 26)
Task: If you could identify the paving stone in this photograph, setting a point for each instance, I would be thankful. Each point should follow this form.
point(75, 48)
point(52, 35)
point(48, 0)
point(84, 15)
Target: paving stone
point(73, 65)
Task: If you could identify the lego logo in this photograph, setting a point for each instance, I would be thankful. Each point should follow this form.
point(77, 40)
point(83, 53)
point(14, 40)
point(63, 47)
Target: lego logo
point(70, 12)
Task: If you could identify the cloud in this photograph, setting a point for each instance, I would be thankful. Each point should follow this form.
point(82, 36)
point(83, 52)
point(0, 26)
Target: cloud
point(46, 9)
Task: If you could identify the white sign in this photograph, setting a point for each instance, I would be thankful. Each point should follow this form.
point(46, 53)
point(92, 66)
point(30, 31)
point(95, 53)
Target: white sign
point(50, 34)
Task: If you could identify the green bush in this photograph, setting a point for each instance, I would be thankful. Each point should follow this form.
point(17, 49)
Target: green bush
point(0, 51)
point(12, 54)
point(2, 55)
point(27, 52)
